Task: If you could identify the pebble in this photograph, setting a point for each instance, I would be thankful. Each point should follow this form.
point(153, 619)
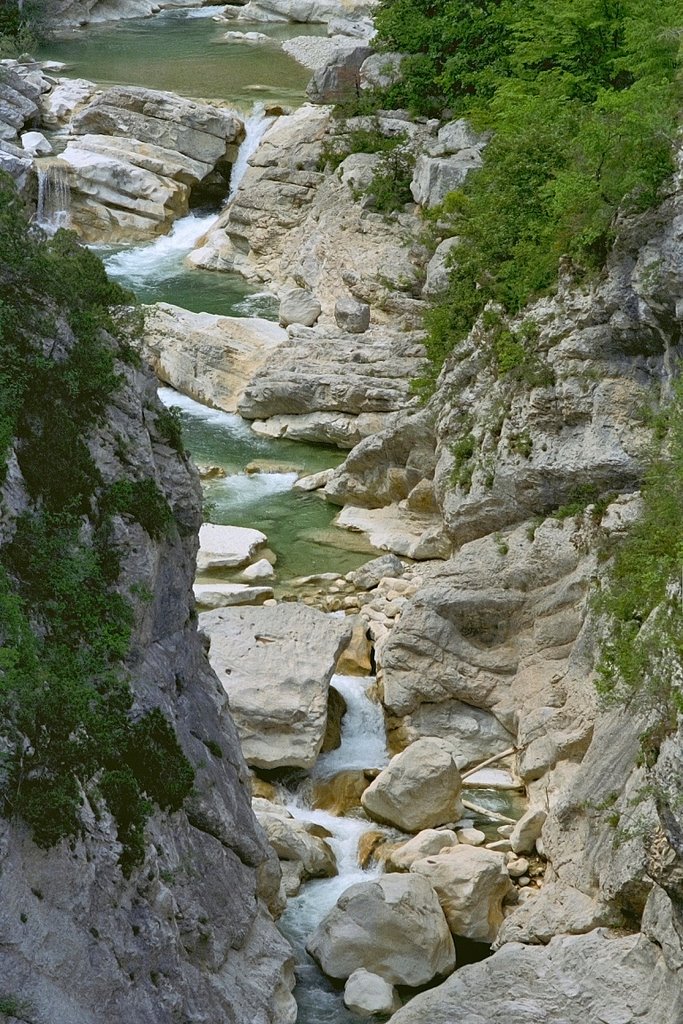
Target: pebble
point(518, 867)
point(505, 831)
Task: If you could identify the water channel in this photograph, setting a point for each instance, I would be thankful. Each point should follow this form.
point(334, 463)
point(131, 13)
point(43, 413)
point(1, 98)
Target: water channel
point(184, 51)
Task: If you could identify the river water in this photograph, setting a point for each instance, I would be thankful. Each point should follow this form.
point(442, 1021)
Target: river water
point(183, 51)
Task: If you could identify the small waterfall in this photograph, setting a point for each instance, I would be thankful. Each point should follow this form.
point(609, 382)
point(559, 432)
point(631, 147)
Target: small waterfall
point(162, 258)
point(54, 196)
point(255, 128)
point(363, 745)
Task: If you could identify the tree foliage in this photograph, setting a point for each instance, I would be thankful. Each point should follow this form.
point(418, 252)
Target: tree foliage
point(581, 97)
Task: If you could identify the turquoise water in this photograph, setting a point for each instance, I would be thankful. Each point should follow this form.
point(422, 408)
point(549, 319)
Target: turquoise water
point(298, 525)
point(183, 53)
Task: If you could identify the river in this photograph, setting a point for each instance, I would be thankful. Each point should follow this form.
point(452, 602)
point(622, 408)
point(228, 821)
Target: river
point(183, 51)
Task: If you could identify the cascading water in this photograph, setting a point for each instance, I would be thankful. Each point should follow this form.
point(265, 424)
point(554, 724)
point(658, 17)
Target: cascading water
point(144, 267)
point(363, 745)
point(255, 127)
point(54, 196)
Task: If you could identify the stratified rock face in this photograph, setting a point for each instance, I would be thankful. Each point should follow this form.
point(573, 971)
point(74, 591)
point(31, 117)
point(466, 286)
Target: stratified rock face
point(326, 385)
point(304, 10)
point(420, 788)
point(187, 936)
point(292, 224)
point(393, 927)
point(18, 110)
point(275, 665)
point(136, 157)
point(210, 358)
point(576, 979)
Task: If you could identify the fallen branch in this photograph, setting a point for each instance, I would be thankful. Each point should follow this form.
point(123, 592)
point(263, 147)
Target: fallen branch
point(487, 762)
point(486, 813)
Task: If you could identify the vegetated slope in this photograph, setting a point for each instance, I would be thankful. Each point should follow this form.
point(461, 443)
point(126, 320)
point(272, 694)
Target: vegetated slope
point(129, 857)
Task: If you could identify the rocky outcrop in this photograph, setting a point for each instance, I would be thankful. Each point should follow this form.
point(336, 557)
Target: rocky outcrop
point(275, 664)
point(292, 224)
point(136, 156)
point(213, 359)
point(600, 976)
point(19, 110)
point(393, 927)
point(325, 385)
point(77, 13)
point(187, 935)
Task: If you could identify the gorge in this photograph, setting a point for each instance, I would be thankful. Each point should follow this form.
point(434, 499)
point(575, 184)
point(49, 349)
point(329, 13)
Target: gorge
point(340, 635)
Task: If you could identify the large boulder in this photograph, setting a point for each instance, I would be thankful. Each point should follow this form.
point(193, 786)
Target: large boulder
point(275, 665)
point(527, 831)
point(340, 78)
point(419, 788)
point(299, 306)
point(435, 176)
point(351, 315)
point(471, 884)
point(578, 979)
point(227, 547)
point(426, 843)
point(393, 927)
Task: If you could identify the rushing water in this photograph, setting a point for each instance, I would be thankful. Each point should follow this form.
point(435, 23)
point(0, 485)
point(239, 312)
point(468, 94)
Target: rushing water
point(363, 745)
point(187, 54)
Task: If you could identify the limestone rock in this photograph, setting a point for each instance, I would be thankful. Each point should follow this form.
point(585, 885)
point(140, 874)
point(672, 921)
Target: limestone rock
point(340, 78)
point(135, 157)
point(435, 176)
point(369, 995)
point(420, 788)
point(393, 927)
point(369, 575)
point(438, 268)
point(261, 570)
point(227, 595)
point(397, 528)
point(210, 358)
point(292, 841)
point(67, 96)
point(352, 316)
point(471, 884)
point(474, 733)
point(425, 843)
point(275, 665)
point(380, 70)
point(299, 306)
point(527, 830)
point(227, 547)
point(575, 979)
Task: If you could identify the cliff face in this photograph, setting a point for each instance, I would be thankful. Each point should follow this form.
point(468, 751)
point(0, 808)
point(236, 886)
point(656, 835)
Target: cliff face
point(187, 937)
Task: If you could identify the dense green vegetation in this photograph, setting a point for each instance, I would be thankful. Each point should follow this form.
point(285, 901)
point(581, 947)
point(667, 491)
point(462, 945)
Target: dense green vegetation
point(66, 706)
point(642, 655)
point(21, 25)
point(581, 98)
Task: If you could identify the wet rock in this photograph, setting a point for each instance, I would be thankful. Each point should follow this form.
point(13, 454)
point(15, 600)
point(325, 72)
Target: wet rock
point(356, 660)
point(369, 995)
point(336, 709)
point(342, 792)
point(293, 840)
point(471, 884)
point(419, 788)
point(393, 927)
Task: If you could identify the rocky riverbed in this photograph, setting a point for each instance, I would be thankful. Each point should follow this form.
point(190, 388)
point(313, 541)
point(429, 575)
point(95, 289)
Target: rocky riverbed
point(427, 757)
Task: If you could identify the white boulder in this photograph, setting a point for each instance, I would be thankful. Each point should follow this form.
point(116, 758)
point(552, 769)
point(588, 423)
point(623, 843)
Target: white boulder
point(227, 547)
point(368, 995)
